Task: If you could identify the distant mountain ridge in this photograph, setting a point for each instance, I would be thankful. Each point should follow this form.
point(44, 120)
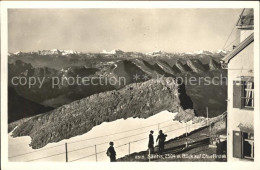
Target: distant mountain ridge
point(118, 51)
point(59, 59)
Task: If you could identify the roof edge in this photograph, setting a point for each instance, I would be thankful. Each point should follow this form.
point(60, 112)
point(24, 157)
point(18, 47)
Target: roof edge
point(239, 48)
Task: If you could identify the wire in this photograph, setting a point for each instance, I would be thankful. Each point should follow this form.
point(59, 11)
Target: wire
point(118, 132)
point(82, 157)
point(135, 135)
point(230, 33)
point(115, 140)
point(183, 127)
point(138, 140)
point(169, 125)
point(87, 156)
point(36, 151)
point(90, 139)
point(106, 150)
point(201, 123)
point(80, 148)
point(234, 40)
point(121, 145)
point(240, 15)
point(229, 37)
point(144, 139)
point(46, 157)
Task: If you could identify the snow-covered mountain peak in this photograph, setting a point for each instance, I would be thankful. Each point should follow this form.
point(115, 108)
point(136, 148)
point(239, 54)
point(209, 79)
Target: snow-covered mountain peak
point(17, 53)
point(57, 52)
point(115, 51)
point(221, 51)
point(155, 52)
point(199, 52)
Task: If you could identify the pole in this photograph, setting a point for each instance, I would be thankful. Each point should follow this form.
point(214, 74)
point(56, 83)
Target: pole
point(129, 149)
point(186, 130)
point(209, 129)
point(66, 149)
point(149, 154)
point(96, 152)
point(207, 115)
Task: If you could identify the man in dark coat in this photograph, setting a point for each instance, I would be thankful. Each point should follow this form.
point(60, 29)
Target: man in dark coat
point(111, 152)
point(151, 142)
point(161, 137)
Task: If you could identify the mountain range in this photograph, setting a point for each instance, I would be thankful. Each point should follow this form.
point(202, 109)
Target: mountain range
point(64, 58)
point(65, 110)
point(111, 68)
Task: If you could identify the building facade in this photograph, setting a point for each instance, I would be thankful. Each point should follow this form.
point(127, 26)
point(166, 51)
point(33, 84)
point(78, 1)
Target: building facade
point(240, 108)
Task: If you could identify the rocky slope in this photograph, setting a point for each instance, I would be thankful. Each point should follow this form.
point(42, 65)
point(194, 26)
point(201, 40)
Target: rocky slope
point(135, 100)
point(165, 67)
point(196, 66)
point(128, 70)
point(183, 68)
point(143, 66)
point(213, 65)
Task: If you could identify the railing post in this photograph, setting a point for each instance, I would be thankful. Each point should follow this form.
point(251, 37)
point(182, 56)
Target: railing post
point(186, 130)
point(66, 149)
point(209, 129)
point(149, 154)
point(129, 149)
point(96, 152)
point(207, 111)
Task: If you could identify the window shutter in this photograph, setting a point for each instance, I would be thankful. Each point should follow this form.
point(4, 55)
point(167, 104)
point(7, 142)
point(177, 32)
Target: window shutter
point(237, 144)
point(237, 93)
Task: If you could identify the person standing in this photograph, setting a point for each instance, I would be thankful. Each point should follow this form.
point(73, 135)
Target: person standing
point(151, 142)
point(111, 152)
point(161, 137)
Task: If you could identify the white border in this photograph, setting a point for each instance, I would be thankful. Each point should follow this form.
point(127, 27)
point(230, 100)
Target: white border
point(129, 4)
point(122, 4)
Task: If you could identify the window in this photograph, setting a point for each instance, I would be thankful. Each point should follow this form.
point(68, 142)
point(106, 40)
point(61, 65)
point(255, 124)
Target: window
point(243, 94)
point(248, 145)
point(243, 145)
point(248, 94)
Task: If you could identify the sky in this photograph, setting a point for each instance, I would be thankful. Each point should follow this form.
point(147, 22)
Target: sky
point(139, 30)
